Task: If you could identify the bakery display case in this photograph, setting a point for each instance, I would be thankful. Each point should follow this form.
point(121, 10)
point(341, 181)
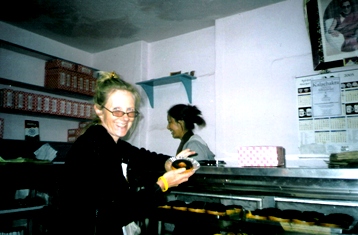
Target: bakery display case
point(333, 193)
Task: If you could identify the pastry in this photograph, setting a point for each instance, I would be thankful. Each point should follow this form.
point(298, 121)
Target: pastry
point(197, 207)
point(215, 209)
point(182, 163)
point(179, 205)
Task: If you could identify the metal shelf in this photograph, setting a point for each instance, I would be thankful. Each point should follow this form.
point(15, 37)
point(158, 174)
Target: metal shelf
point(12, 83)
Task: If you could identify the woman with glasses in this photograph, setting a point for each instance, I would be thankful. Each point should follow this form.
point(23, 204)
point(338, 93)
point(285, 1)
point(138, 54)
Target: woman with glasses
point(181, 123)
point(96, 196)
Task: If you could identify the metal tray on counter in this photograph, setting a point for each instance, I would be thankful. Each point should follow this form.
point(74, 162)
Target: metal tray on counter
point(302, 228)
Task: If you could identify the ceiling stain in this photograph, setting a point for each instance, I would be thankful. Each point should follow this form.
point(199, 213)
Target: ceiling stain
point(97, 25)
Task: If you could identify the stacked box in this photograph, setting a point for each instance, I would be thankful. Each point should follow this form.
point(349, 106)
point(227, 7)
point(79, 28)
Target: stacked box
point(81, 110)
point(69, 105)
point(38, 103)
point(39, 100)
point(55, 106)
point(83, 125)
point(84, 70)
point(7, 98)
point(1, 128)
point(30, 102)
point(261, 156)
point(93, 82)
point(72, 134)
point(46, 104)
point(61, 79)
point(19, 100)
point(62, 107)
point(56, 64)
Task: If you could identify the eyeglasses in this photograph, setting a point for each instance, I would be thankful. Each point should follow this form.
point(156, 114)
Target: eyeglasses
point(118, 113)
point(346, 7)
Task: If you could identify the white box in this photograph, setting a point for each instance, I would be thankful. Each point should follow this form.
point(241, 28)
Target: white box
point(261, 156)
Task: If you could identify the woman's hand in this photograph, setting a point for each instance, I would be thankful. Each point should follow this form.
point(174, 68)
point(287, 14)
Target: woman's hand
point(175, 177)
point(184, 153)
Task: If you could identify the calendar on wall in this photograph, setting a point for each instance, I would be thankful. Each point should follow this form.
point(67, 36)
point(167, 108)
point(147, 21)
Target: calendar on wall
point(327, 111)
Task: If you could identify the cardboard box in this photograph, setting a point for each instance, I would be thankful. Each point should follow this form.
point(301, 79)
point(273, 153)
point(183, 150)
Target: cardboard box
point(85, 70)
point(7, 98)
point(46, 104)
point(19, 99)
point(82, 125)
point(69, 108)
point(30, 100)
point(39, 103)
point(73, 134)
point(61, 79)
point(261, 156)
point(86, 84)
point(57, 63)
point(1, 128)
point(55, 106)
point(62, 107)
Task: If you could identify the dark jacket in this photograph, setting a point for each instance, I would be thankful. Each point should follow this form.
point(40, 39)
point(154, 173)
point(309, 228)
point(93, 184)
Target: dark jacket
point(96, 197)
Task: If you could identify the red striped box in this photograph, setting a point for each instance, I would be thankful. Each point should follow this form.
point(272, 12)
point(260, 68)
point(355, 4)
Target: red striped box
point(69, 108)
point(7, 98)
point(75, 107)
point(261, 156)
point(73, 134)
point(59, 79)
point(62, 107)
point(74, 82)
point(86, 84)
point(1, 128)
point(83, 125)
point(55, 105)
point(39, 100)
point(46, 104)
point(84, 70)
point(93, 82)
point(88, 110)
point(57, 63)
point(30, 102)
point(81, 110)
point(19, 100)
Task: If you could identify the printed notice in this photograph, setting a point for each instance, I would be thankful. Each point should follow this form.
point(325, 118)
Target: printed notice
point(326, 97)
point(327, 106)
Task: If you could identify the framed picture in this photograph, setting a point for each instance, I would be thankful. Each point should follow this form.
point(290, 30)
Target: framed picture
point(333, 31)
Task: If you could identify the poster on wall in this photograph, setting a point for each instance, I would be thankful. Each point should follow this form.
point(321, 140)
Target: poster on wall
point(327, 106)
point(333, 27)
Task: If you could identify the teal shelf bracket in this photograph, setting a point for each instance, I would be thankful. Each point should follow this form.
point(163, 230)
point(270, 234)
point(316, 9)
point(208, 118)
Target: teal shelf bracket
point(148, 86)
point(149, 90)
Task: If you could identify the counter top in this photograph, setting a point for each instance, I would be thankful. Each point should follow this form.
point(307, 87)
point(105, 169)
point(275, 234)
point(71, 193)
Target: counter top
point(321, 173)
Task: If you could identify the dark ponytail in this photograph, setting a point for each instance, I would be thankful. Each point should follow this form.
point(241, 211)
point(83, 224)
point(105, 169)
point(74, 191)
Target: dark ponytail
point(189, 114)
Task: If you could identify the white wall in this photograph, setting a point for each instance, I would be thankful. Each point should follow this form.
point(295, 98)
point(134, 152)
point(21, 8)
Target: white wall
point(259, 54)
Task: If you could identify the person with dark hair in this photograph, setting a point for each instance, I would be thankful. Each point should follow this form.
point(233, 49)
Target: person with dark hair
point(181, 123)
point(346, 23)
point(96, 197)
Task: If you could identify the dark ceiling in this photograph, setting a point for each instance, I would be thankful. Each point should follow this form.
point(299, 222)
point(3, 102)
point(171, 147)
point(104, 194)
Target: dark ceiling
point(98, 25)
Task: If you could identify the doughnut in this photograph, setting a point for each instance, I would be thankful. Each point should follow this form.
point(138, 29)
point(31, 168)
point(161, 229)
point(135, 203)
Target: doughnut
point(179, 205)
point(337, 220)
point(182, 163)
point(197, 207)
point(233, 209)
point(256, 214)
point(215, 209)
